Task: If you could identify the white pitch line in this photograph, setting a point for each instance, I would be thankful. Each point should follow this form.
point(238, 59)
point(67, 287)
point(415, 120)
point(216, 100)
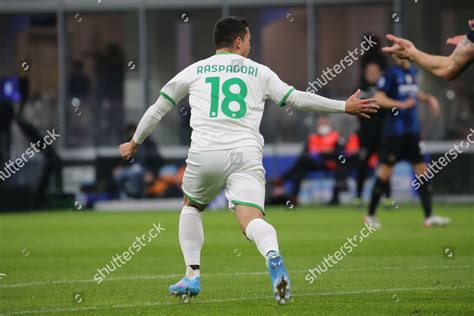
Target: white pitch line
point(168, 276)
point(227, 300)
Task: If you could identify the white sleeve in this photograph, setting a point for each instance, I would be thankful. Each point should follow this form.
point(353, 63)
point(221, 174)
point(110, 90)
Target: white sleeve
point(178, 87)
point(276, 89)
point(150, 119)
point(311, 102)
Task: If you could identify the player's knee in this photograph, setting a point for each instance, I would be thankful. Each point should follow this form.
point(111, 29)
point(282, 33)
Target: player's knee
point(245, 215)
point(244, 223)
point(188, 202)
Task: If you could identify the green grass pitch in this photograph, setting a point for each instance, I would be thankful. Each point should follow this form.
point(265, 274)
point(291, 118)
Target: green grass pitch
point(48, 260)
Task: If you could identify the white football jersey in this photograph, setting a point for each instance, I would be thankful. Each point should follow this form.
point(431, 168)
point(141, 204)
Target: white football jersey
point(227, 94)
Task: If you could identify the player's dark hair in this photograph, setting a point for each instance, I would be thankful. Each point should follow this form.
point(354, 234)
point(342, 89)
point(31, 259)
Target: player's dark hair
point(374, 54)
point(228, 29)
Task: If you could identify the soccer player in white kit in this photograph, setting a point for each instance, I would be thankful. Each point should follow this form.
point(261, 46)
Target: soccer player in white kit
point(227, 94)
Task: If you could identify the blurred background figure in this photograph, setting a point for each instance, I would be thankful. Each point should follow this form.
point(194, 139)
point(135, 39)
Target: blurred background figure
point(110, 74)
point(373, 55)
point(51, 166)
point(79, 82)
point(370, 132)
point(133, 177)
point(147, 174)
point(373, 64)
point(6, 120)
point(324, 151)
point(398, 91)
point(80, 101)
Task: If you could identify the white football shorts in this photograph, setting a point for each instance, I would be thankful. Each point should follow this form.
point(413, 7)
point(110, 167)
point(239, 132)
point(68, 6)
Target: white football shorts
point(238, 170)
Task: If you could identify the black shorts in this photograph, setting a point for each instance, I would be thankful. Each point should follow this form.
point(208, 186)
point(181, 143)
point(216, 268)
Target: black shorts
point(401, 147)
point(370, 140)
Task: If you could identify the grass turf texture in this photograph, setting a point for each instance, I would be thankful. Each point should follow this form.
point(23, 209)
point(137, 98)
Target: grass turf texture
point(48, 258)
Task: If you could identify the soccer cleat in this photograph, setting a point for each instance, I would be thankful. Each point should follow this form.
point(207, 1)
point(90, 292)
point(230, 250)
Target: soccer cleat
point(186, 288)
point(279, 276)
point(436, 221)
point(371, 220)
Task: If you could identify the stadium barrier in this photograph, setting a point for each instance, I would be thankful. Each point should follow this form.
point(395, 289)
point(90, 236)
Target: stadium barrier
point(79, 166)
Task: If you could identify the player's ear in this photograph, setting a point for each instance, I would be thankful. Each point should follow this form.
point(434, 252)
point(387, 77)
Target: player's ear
point(238, 42)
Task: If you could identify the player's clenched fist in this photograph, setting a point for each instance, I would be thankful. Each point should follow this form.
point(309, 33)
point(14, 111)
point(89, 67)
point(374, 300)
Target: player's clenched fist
point(128, 149)
point(361, 107)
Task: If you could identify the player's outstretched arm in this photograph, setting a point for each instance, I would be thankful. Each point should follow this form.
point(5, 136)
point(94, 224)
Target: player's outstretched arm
point(447, 67)
point(310, 102)
point(405, 49)
point(147, 124)
point(460, 59)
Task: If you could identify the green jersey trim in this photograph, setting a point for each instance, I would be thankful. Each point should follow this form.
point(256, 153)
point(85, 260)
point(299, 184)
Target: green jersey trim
point(222, 53)
point(283, 101)
point(192, 199)
point(167, 97)
point(248, 204)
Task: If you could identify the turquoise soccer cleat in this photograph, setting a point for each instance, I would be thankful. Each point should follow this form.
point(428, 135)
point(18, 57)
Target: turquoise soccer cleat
point(186, 288)
point(280, 278)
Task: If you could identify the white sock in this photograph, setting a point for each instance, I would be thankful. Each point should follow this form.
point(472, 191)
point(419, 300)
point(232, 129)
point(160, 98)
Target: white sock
point(191, 238)
point(190, 273)
point(263, 234)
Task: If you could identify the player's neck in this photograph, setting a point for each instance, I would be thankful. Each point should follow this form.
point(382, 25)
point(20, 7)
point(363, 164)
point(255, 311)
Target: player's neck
point(225, 51)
